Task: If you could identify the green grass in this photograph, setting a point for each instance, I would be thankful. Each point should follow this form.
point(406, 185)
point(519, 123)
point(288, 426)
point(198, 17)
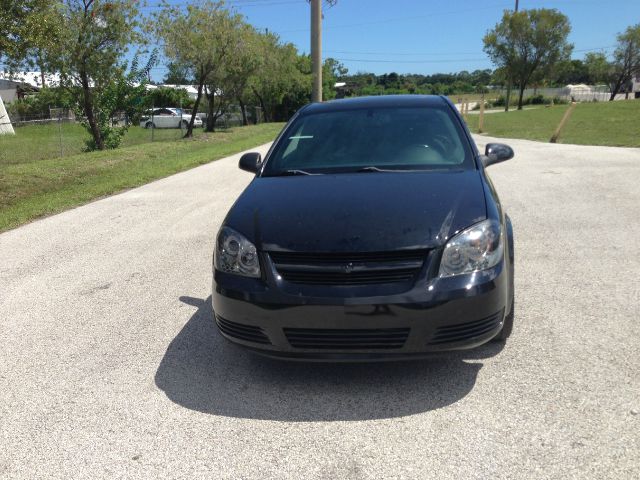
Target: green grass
point(51, 140)
point(600, 123)
point(34, 187)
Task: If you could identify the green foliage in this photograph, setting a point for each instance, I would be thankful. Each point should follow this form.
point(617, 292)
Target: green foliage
point(598, 67)
point(178, 74)
point(167, 97)
point(528, 44)
point(26, 25)
point(122, 96)
point(88, 56)
point(39, 105)
point(200, 38)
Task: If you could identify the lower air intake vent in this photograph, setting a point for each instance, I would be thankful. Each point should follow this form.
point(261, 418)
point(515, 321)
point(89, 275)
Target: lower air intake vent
point(249, 333)
point(343, 339)
point(466, 331)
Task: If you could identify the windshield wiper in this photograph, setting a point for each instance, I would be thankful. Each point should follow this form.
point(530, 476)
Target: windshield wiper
point(378, 169)
point(296, 172)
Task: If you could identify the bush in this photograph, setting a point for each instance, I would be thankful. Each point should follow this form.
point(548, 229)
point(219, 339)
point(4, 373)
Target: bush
point(536, 100)
point(38, 105)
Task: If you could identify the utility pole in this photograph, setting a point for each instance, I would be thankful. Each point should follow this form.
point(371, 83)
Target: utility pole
point(316, 50)
point(510, 80)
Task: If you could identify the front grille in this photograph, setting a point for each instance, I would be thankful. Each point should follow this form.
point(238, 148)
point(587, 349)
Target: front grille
point(349, 268)
point(249, 333)
point(466, 331)
point(344, 339)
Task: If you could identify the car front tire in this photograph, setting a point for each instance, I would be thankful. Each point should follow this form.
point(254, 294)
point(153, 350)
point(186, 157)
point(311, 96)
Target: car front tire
point(150, 125)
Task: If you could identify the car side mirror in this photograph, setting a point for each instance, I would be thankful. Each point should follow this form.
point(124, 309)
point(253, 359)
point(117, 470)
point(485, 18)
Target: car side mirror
point(250, 162)
point(496, 153)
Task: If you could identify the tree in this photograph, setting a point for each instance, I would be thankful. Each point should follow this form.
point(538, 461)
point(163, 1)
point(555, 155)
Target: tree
point(598, 67)
point(528, 42)
point(25, 24)
point(626, 60)
point(571, 72)
point(197, 38)
point(332, 71)
point(88, 57)
point(241, 67)
point(278, 75)
point(233, 48)
point(178, 74)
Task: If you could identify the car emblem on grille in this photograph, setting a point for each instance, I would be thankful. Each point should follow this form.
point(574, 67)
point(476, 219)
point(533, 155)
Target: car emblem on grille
point(348, 268)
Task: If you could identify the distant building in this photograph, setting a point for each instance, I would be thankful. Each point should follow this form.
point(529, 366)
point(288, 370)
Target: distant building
point(15, 85)
point(11, 90)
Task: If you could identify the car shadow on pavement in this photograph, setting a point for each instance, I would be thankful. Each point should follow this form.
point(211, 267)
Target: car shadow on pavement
point(202, 371)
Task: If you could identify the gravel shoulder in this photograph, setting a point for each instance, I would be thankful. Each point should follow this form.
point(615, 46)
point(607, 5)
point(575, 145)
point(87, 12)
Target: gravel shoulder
point(110, 365)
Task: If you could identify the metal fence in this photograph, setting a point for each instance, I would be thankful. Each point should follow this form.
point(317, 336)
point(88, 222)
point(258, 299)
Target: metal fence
point(597, 93)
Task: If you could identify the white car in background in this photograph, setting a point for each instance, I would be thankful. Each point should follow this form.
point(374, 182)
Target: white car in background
point(168, 118)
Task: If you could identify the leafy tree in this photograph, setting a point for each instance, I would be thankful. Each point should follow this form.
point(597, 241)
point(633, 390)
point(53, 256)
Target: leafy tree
point(167, 97)
point(528, 42)
point(197, 38)
point(279, 75)
point(239, 70)
point(332, 71)
point(598, 67)
point(178, 74)
point(233, 48)
point(626, 60)
point(25, 24)
point(88, 57)
point(124, 94)
point(571, 72)
point(28, 29)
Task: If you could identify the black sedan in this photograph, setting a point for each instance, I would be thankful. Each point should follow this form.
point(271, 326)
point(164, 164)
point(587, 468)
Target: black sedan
point(370, 231)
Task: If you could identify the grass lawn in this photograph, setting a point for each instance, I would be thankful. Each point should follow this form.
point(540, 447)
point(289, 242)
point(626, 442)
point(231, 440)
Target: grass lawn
point(31, 187)
point(51, 140)
point(599, 123)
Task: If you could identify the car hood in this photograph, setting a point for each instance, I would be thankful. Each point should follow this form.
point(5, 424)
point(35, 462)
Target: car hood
point(365, 212)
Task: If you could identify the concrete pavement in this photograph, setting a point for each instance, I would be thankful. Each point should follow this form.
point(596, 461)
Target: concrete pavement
point(110, 365)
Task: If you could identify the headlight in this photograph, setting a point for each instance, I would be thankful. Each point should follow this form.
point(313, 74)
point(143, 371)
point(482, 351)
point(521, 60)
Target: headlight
point(235, 254)
point(477, 248)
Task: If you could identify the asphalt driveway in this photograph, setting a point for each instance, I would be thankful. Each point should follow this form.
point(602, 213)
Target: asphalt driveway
point(110, 365)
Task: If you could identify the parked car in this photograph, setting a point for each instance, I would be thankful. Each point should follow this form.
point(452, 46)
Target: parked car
point(168, 118)
point(370, 230)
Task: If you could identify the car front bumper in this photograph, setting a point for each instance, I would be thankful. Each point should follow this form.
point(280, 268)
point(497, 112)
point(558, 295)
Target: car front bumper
point(434, 315)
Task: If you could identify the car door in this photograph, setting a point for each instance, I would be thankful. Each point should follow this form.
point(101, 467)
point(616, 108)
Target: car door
point(164, 118)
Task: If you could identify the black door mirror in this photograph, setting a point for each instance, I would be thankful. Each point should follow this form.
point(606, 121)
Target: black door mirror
point(496, 153)
point(250, 162)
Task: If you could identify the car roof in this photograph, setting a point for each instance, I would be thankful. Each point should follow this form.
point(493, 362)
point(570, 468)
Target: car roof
point(380, 101)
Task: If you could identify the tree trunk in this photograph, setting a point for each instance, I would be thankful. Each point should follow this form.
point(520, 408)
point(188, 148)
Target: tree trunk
point(87, 104)
point(189, 132)
point(211, 112)
point(262, 105)
point(243, 110)
point(521, 94)
point(616, 88)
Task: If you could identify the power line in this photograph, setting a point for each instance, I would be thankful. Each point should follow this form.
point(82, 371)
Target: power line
point(400, 19)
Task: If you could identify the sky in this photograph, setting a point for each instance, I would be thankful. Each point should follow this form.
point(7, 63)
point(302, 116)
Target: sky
point(423, 36)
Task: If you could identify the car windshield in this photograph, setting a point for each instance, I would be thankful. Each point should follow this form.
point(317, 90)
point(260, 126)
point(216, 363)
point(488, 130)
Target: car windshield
point(371, 140)
point(178, 111)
